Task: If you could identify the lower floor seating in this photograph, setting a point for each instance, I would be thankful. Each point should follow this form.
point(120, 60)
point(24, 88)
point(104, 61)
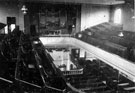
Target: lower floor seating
point(99, 77)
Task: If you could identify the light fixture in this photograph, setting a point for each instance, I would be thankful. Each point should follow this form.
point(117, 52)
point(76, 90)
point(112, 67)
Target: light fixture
point(121, 34)
point(73, 26)
point(40, 66)
point(133, 17)
point(36, 42)
point(133, 80)
point(24, 9)
point(89, 33)
point(79, 35)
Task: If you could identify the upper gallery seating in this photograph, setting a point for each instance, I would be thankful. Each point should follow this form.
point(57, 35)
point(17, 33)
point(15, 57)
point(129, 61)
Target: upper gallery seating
point(26, 66)
point(111, 38)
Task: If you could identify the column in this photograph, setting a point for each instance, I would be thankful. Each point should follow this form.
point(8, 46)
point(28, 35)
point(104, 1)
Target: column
point(68, 62)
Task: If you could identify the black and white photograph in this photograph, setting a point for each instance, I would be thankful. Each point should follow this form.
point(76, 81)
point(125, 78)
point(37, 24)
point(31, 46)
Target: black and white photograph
point(67, 46)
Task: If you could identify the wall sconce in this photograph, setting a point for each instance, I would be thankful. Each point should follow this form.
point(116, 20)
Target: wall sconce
point(24, 9)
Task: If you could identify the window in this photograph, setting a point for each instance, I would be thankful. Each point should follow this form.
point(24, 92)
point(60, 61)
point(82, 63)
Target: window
point(12, 27)
point(117, 16)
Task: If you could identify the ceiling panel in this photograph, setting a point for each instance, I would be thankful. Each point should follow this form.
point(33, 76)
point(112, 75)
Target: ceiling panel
point(105, 2)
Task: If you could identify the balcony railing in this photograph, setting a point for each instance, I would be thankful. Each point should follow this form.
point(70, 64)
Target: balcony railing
point(73, 72)
point(49, 89)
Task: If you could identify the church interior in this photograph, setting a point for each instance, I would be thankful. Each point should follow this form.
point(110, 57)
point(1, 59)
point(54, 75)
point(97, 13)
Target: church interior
point(67, 46)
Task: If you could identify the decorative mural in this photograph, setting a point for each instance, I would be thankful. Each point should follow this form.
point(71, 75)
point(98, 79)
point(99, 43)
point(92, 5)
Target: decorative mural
point(53, 19)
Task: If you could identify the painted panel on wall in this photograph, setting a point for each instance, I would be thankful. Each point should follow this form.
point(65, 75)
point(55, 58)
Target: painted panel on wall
point(92, 15)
